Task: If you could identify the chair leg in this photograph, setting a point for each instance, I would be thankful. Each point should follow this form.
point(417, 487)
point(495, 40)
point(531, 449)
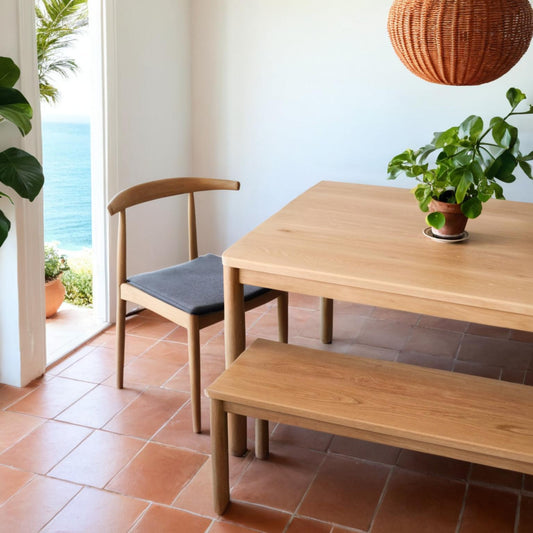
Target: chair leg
point(193, 335)
point(120, 340)
point(283, 317)
point(326, 320)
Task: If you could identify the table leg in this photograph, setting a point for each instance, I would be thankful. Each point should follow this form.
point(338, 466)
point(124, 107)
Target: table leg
point(219, 456)
point(235, 343)
point(326, 320)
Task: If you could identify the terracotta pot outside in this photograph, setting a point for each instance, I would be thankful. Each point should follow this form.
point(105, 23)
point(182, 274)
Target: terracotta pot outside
point(455, 219)
point(54, 294)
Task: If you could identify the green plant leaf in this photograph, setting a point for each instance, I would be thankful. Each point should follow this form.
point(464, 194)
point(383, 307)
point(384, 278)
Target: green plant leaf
point(9, 72)
point(465, 180)
point(22, 172)
point(526, 167)
point(515, 96)
point(472, 207)
point(15, 108)
point(502, 167)
point(471, 127)
point(446, 137)
point(436, 220)
point(4, 227)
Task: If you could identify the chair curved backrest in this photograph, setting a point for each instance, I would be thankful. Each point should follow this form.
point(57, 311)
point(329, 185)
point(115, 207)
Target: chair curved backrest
point(154, 190)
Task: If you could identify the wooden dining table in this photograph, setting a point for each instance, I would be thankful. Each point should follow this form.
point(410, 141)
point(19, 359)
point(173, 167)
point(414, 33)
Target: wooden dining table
point(366, 244)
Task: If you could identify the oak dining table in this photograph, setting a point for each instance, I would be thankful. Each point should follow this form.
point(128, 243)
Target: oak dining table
point(365, 244)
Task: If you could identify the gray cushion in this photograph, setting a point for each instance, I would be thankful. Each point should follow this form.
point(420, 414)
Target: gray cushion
point(195, 287)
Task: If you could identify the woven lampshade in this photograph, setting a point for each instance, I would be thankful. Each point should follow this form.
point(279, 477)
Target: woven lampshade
point(460, 42)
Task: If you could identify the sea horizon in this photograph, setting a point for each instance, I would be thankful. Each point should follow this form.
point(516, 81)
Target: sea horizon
point(67, 187)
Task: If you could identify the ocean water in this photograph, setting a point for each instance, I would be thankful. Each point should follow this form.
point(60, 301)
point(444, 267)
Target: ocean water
point(67, 186)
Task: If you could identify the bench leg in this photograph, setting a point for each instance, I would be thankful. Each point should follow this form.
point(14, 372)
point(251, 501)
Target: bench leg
point(261, 439)
point(219, 456)
point(283, 317)
point(326, 320)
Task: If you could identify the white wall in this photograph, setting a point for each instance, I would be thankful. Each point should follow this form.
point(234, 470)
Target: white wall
point(153, 121)
point(289, 92)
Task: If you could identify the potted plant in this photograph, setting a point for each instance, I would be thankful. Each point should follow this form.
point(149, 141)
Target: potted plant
point(18, 169)
point(462, 167)
point(54, 266)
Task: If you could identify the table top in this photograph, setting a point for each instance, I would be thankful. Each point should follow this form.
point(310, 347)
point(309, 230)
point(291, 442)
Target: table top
point(369, 240)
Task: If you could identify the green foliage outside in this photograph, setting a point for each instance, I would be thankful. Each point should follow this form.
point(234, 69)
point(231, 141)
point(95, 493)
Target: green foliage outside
point(55, 263)
point(58, 23)
point(78, 280)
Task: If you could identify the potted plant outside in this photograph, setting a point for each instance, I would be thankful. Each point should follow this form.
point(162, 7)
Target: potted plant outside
point(465, 168)
point(18, 169)
point(54, 266)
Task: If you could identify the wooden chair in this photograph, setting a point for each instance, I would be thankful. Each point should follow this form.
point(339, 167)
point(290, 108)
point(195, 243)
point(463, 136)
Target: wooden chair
point(190, 294)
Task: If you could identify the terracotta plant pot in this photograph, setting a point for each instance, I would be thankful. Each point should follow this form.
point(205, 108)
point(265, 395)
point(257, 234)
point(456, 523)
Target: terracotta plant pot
point(455, 220)
point(54, 294)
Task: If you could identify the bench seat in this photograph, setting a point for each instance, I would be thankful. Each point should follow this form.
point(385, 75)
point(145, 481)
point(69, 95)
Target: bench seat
point(454, 415)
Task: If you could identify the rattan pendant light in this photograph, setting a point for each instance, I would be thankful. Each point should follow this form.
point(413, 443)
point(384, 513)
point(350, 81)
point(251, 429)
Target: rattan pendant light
point(460, 42)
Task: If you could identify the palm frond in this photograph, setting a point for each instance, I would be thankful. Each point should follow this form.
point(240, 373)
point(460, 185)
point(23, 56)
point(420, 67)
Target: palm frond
point(59, 23)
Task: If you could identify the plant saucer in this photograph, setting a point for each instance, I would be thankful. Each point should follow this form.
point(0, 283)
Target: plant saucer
point(456, 238)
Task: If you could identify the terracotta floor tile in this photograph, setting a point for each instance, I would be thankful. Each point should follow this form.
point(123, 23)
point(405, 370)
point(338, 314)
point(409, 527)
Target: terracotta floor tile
point(488, 331)
point(305, 438)
point(150, 327)
point(496, 352)
point(44, 447)
point(95, 510)
point(476, 369)
point(95, 367)
point(52, 397)
point(167, 520)
point(428, 361)
point(134, 345)
point(496, 476)
point(282, 480)
point(64, 363)
point(434, 342)
point(174, 353)
point(228, 527)
point(370, 451)
point(9, 395)
point(384, 333)
point(305, 525)
point(489, 510)
point(513, 375)
point(98, 406)
point(426, 463)
point(178, 432)
point(346, 492)
point(14, 426)
point(252, 516)
point(372, 352)
point(395, 316)
point(11, 480)
point(304, 301)
point(352, 308)
point(147, 413)
point(149, 372)
point(36, 504)
point(522, 336)
point(97, 459)
point(158, 473)
point(442, 323)
point(416, 502)
point(526, 515)
point(197, 496)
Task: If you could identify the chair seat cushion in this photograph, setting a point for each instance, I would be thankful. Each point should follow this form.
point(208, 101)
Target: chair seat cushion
point(196, 287)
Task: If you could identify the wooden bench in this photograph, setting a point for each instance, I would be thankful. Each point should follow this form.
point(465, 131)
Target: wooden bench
point(454, 415)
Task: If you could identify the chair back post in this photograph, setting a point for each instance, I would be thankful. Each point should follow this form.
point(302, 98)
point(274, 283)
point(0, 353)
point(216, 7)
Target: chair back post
point(121, 250)
point(193, 242)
